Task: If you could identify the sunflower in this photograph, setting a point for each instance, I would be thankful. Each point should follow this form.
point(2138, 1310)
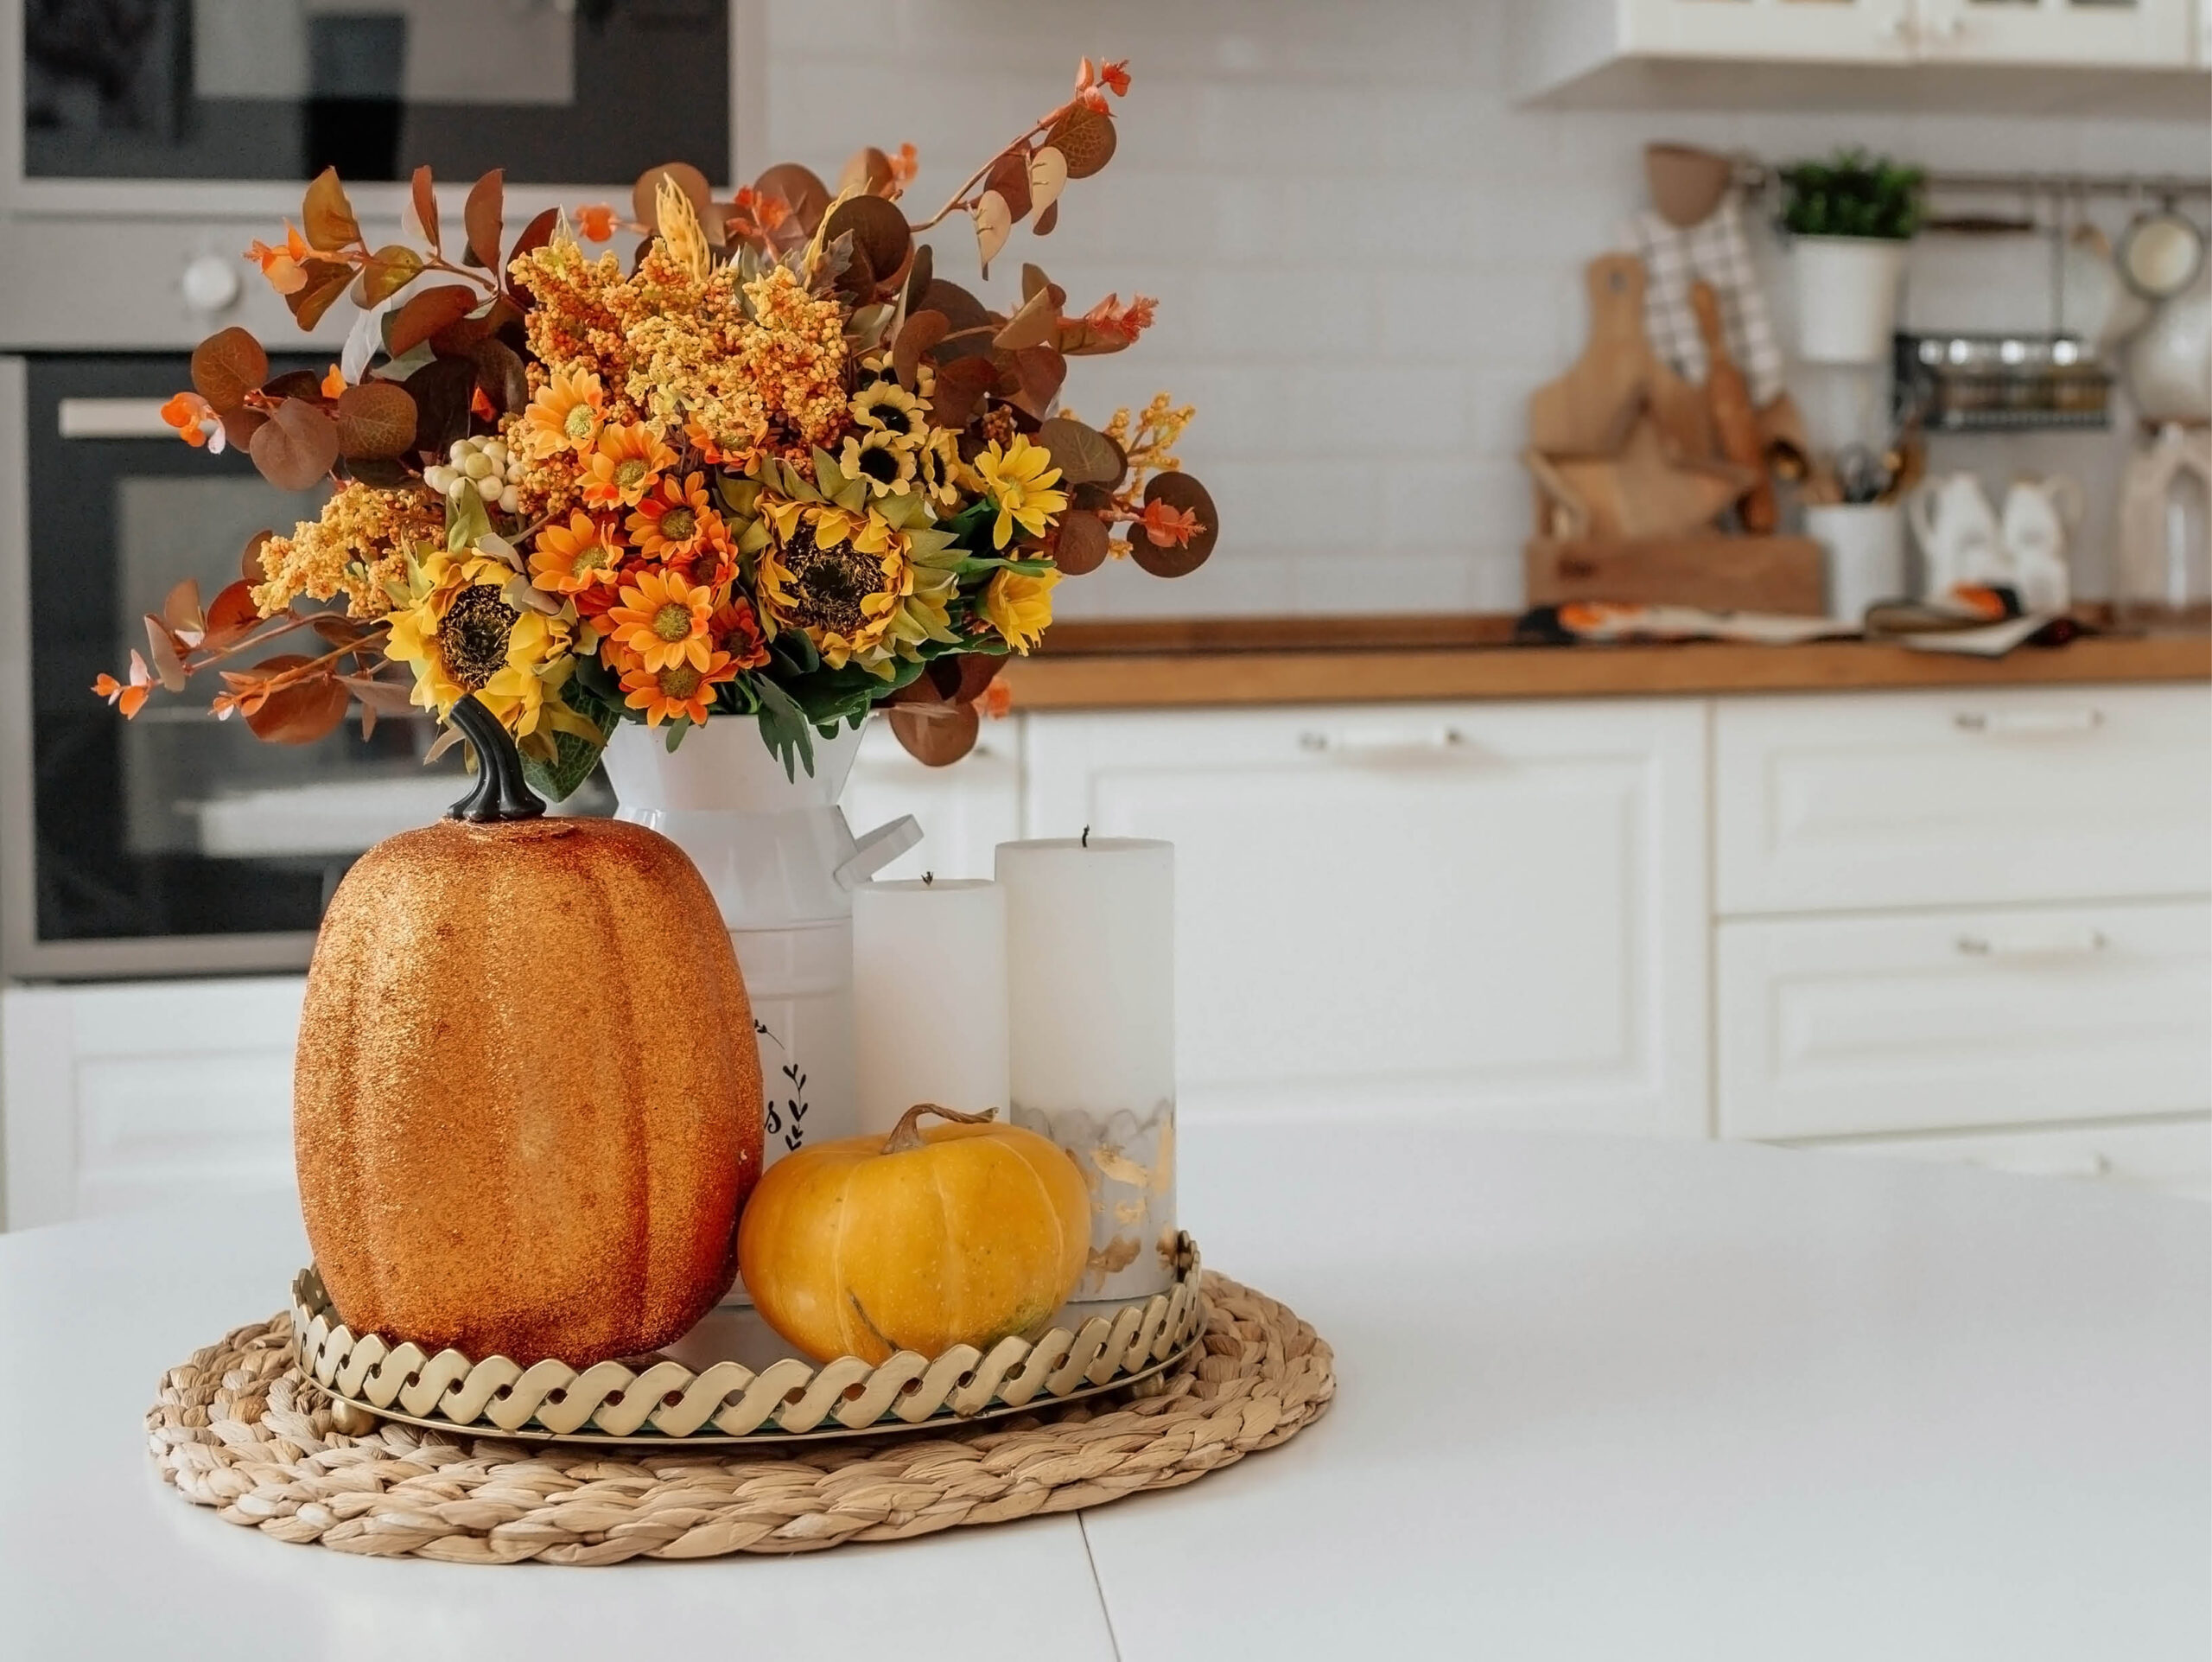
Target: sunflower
point(836, 576)
point(625, 463)
point(1019, 478)
point(884, 459)
point(942, 472)
point(662, 619)
point(670, 523)
point(582, 554)
point(734, 628)
point(459, 635)
point(1020, 607)
point(675, 689)
point(566, 415)
point(887, 407)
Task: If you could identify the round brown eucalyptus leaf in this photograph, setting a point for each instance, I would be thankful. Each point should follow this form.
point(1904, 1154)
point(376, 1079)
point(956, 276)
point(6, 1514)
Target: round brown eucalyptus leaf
point(1084, 138)
point(798, 188)
point(239, 425)
point(227, 365)
point(994, 225)
point(1082, 544)
point(376, 420)
point(426, 313)
point(482, 216)
point(1180, 490)
point(386, 272)
point(1009, 176)
point(644, 195)
point(878, 228)
point(249, 567)
point(294, 448)
point(936, 736)
point(1083, 454)
point(868, 170)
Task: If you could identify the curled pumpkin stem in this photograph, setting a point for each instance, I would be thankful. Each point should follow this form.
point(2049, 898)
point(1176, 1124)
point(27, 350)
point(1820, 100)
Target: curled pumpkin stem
point(908, 1133)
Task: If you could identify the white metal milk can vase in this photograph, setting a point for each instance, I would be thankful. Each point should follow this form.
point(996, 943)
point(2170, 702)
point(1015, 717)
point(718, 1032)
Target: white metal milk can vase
point(782, 864)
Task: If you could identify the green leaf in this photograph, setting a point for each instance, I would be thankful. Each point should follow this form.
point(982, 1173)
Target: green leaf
point(783, 729)
point(976, 565)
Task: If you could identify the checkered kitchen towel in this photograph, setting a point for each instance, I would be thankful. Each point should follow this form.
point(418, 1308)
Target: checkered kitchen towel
point(1717, 250)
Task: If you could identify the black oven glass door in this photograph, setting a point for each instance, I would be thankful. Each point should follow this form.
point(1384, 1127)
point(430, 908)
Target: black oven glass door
point(556, 92)
point(175, 825)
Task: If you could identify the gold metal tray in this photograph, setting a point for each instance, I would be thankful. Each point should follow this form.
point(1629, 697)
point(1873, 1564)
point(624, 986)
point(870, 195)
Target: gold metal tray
point(732, 1380)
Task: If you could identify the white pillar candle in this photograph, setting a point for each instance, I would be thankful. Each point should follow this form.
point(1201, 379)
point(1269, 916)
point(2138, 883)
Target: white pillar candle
point(1090, 976)
point(929, 998)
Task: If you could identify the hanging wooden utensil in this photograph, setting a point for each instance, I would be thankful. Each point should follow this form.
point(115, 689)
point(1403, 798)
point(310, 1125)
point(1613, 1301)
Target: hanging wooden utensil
point(1734, 421)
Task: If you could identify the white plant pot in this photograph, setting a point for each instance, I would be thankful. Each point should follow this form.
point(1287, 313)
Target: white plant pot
point(781, 864)
point(1863, 548)
point(1847, 297)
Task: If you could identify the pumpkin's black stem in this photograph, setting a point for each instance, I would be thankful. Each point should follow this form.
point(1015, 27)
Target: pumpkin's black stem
point(501, 792)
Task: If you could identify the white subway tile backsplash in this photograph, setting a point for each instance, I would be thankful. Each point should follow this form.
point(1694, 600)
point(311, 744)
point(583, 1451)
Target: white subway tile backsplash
point(1366, 256)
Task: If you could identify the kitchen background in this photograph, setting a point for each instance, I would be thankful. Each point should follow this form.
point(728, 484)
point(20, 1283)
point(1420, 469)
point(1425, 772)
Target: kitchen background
point(1367, 234)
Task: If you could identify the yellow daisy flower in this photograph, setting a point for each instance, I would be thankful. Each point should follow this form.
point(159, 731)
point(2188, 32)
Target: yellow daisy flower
point(1020, 607)
point(1019, 478)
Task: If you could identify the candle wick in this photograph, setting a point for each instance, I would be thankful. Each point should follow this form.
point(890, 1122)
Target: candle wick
point(1086, 836)
point(928, 877)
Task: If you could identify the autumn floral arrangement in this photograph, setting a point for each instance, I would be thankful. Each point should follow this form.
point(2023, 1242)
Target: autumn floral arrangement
point(776, 467)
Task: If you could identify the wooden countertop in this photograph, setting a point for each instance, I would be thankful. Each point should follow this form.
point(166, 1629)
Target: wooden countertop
point(1375, 659)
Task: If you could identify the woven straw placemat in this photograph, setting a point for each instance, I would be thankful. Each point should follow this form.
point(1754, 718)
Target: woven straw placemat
point(238, 1428)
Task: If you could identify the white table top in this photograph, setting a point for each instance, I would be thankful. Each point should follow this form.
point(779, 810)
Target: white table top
point(1596, 1400)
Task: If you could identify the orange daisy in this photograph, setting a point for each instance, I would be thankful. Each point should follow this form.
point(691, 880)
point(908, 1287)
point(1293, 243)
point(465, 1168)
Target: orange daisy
point(627, 463)
point(582, 554)
point(566, 415)
point(675, 689)
point(284, 265)
point(734, 628)
point(662, 620)
point(671, 523)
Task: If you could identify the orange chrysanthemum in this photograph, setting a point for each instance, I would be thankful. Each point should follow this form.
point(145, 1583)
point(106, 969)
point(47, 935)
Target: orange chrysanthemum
point(284, 265)
point(675, 689)
point(566, 415)
point(734, 628)
point(582, 554)
point(627, 461)
point(595, 220)
point(662, 619)
point(671, 523)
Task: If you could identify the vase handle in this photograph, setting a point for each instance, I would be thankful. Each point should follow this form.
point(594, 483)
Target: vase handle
point(877, 849)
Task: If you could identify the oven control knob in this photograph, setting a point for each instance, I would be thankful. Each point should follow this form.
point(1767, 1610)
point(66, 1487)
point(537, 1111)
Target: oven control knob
point(210, 283)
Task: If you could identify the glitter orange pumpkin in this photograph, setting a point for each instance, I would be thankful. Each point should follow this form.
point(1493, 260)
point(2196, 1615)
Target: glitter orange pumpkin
point(527, 1098)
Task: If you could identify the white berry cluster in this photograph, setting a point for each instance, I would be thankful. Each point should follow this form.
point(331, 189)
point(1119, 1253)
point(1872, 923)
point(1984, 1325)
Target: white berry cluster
point(484, 465)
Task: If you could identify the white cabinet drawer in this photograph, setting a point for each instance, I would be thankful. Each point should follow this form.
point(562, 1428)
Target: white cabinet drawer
point(1495, 911)
point(1834, 1026)
point(149, 1093)
point(1963, 798)
point(2175, 1155)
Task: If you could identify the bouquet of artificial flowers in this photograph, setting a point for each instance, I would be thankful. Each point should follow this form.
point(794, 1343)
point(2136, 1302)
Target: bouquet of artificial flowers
point(774, 467)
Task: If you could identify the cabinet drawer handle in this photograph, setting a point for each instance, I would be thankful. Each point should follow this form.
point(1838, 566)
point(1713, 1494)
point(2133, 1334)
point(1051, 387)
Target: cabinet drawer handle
point(1441, 741)
point(112, 418)
point(2091, 1164)
point(2029, 723)
point(2073, 943)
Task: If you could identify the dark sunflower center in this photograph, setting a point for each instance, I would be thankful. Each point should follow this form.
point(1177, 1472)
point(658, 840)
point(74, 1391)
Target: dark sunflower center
point(880, 464)
point(472, 637)
point(895, 418)
point(677, 524)
point(831, 583)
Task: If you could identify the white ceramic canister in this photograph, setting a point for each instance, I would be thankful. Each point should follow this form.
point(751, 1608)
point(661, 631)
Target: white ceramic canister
point(1863, 548)
point(782, 864)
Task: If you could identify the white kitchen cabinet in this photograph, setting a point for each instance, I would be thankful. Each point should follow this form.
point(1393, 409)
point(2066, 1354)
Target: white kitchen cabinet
point(2173, 1155)
point(965, 811)
point(1496, 911)
point(1598, 51)
point(1936, 798)
point(146, 1093)
point(1925, 1021)
point(2110, 33)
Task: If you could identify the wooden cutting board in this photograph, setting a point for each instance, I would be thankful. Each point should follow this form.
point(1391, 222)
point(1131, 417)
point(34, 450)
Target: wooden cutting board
point(1643, 491)
point(1588, 410)
point(1780, 575)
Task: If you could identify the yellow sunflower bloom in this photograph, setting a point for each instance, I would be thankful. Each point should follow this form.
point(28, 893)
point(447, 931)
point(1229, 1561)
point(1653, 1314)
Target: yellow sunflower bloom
point(1020, 607)
point(459, 635)
point(1019, 478)
point(884, 459)
point(835, 576)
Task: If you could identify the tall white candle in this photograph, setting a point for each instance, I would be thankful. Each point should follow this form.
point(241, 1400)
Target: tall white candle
point(929, 998)
point(1090, 976)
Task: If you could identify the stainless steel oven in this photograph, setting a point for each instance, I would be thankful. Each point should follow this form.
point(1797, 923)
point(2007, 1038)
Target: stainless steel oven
point(143, 144)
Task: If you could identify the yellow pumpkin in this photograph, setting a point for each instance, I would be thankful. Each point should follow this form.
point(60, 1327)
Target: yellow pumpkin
point(526, 1107)
point(963, 1233)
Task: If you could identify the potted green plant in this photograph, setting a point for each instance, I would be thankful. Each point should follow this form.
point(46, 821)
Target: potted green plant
point(1850, 218)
